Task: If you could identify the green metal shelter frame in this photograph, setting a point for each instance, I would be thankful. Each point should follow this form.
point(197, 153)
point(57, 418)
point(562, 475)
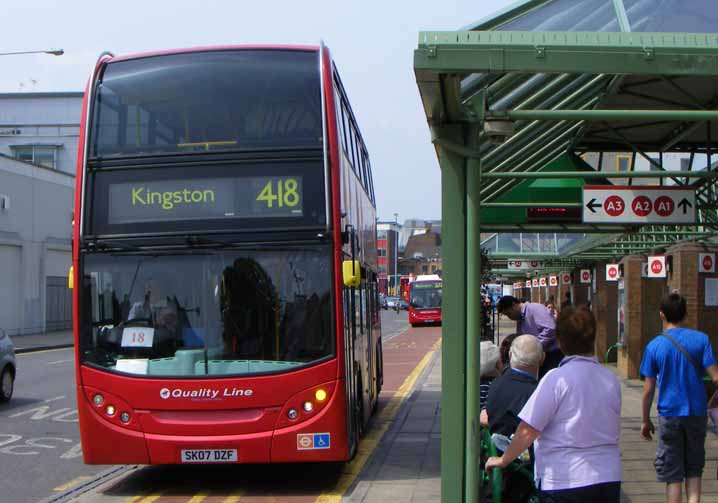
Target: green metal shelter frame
point(507, 99)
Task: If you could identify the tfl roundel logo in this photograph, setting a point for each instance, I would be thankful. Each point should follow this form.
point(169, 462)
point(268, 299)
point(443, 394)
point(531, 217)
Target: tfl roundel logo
point(164, 393)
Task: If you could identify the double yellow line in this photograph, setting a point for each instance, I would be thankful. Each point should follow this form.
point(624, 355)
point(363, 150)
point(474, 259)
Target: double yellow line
point(381, 424)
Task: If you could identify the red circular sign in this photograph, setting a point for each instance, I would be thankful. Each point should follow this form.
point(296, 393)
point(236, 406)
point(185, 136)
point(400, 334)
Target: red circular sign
point(656, 266)
point(566, 278)
point(585, 275)
point(614, 206)
point(534, 263)
point(642, 206)
point(664, 206)
point(707, 262)
point(612, 272)
point(517, 263)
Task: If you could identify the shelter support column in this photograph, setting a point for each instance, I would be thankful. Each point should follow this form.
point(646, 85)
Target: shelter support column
point(605, 310)
point(454, 329)
point(473, 327)
point(685, 277)
point(642, 323)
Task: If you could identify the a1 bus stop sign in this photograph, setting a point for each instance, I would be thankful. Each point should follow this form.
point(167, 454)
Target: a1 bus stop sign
point(612, 204)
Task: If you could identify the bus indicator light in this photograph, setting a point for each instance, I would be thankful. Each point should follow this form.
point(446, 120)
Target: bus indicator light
point(320, 395)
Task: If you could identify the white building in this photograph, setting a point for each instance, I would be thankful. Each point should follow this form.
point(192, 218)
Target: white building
point(39, 134)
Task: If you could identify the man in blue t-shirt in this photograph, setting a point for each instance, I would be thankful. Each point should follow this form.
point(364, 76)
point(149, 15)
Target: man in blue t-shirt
point(681, 400)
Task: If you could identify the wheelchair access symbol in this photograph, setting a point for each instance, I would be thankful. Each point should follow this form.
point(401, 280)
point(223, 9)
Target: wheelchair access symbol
point(313, 441)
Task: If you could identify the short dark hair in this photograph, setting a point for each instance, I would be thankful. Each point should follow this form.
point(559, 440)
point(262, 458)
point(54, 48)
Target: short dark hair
point(505, 347)
point(506, 302)
point(576, 330)
point(673, 307)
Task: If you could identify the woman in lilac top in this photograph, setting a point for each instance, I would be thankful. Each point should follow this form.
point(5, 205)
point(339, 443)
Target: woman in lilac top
point(574, 420)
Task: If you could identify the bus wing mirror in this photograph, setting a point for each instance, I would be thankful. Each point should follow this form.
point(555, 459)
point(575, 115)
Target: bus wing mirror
point(351, 272)
point(71, 278)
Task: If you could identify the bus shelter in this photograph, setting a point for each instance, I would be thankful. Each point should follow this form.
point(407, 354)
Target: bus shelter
point(528, 108)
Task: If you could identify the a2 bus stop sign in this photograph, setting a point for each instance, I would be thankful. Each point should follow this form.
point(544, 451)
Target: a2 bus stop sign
point(611, 204)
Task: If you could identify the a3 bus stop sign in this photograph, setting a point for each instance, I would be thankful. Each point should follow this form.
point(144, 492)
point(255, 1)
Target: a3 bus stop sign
point(611, 204)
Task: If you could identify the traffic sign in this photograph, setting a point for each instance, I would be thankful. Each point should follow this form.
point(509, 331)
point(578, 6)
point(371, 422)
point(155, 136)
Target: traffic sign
point(553, 281)
point(535, 282)
point(612, 204)
point(519, 264)
point(706, 262)
point(565, 278)
point(612, 272)
point(585, 276)
point(528, 283)
point(542, 281)
point(657, 266)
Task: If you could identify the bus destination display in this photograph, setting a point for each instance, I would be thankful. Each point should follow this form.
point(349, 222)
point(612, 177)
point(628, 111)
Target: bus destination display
point(203, 199)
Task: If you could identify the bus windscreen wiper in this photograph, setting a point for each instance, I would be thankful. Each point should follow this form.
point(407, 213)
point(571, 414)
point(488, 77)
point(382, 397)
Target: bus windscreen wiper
point(197, 240)
point(111, 245)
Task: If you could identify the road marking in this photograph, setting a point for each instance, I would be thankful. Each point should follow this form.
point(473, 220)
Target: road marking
point(72, 483)
point(57, 362)
point(199, 497)
point(54, 399)
point(382, 423)
point(42, 351)
point(234, 497)
point(144, 499)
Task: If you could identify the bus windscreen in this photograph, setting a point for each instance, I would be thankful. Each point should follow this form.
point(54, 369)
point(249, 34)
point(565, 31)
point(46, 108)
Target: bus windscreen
point(214, 313)
point(426, 294)
point(207, 101)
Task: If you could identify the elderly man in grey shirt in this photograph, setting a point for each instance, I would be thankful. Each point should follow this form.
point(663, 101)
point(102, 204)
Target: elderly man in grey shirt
point(534, 319)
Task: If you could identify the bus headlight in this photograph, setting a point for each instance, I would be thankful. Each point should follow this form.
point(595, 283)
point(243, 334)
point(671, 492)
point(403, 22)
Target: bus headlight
point(125, 417)
point(98, 399)
point(308, 407)
point(292, 414)
point(110, 410)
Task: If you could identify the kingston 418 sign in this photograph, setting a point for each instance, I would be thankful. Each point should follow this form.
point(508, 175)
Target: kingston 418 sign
point(610, 204)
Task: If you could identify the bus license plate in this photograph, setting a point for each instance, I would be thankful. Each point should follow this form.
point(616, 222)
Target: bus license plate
point(209, 455)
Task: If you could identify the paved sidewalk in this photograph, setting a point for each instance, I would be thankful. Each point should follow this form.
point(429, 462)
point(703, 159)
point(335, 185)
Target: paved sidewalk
point(39, 342)
point(406, 465)
point(639, 477)
point(405, 468)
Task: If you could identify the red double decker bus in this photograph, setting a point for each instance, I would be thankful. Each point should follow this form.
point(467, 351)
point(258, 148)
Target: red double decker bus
point(225, 262)
point(425, 294)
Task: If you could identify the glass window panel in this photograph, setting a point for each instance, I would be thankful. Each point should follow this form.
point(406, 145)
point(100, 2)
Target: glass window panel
point(45, 156)
point(23, 153)
point(509, 243)
point(568, 15)
point(231, 312)
point(696, 16)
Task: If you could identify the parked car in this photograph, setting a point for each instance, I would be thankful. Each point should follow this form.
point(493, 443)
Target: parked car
point(403, 305)
point(391, 302)
point(7, 366)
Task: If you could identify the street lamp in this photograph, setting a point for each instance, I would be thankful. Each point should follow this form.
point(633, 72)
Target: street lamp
point(396, 253)
point(54, 52)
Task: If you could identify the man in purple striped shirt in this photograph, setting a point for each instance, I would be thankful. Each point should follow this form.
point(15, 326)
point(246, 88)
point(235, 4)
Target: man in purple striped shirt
point(534, 319)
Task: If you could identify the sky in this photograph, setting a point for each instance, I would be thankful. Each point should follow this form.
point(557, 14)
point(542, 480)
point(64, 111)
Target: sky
point(372, 43)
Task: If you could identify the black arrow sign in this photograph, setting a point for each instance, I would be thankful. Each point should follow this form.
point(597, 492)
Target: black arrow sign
point(593, 204)
point(685, 204)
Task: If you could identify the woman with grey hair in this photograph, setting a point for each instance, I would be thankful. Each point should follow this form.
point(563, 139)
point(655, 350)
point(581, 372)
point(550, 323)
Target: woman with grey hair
point(491, 367)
